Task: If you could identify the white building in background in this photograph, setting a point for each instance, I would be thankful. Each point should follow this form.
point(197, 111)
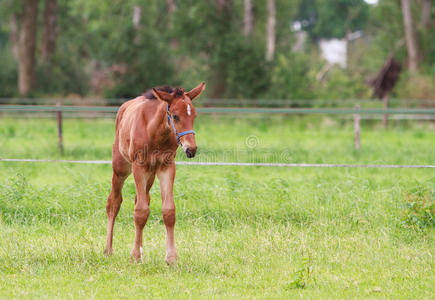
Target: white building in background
point(334, 51)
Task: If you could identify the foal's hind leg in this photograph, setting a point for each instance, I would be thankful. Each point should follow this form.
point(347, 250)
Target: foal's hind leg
point(121, 170)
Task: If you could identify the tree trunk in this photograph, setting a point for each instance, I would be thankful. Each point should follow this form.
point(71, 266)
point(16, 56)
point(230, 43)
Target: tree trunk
point(270, 30)
point(27, 47)
point(172, 6)
point(171, 9)
point(426, 10)
point(136, 18)
point(410, 35)
point(386, 96)
point(49, 29)
point(223, 3)
point(218, 74)
point(14, 35)
point(137, 15)
point(248, 18)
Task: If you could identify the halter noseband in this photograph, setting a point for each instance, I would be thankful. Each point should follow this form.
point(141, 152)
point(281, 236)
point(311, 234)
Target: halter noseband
point(178, 135)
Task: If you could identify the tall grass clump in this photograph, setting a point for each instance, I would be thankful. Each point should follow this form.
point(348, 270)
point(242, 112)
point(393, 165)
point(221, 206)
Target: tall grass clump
point(419, 209)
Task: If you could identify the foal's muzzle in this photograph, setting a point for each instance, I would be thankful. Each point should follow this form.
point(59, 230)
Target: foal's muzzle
point(190, 152)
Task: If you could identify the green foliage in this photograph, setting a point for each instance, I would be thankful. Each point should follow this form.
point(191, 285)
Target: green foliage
point(335, 18)
point(247, 74)
point(236, 64)
point(14, 189)
point(303, 275)
point(415, 86)
point(386, 25)
point(419, 209)
point(427, 44)
point(99, 51)
point(59, 77)
point(138, 58)
point(141, 68)
point(342, 84)
point(8, 73)
point(22, 203)
point(290, 77)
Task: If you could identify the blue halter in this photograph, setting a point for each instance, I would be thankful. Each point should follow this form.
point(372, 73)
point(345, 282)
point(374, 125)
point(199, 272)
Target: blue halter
point(178, 135)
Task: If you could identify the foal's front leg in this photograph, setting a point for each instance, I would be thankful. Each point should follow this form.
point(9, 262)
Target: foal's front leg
point(143, 179)
point(166, 175)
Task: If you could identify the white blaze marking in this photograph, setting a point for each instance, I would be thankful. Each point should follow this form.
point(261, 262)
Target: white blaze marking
point(188, 109)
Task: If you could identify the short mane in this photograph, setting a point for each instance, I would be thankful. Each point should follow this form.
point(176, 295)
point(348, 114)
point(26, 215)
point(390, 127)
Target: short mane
point(149, 94)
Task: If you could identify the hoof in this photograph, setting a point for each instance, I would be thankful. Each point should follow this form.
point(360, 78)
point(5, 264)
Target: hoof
point(135, 260)
point(171, 259)
point(108, 252)
point(136, 256)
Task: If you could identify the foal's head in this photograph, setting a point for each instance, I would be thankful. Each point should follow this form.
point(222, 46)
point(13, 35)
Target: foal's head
point(183, 114)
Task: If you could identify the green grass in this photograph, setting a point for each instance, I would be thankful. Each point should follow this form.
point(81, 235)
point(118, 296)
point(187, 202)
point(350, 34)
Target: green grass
point(242, 232)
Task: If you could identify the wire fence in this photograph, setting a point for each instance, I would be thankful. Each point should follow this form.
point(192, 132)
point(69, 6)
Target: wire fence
point(119, 101)
point(204, 102)
point(425, 113)
point(230, 110)
point(239, 164)
point(58, 110)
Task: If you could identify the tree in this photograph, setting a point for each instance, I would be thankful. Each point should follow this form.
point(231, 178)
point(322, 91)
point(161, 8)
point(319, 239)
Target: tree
point(137, 15)
point(333, 19)
point(224, 3)
point(49, 29)
point(270, 30)
point(222, 24)
point(410, 36)
point(14, 34)
point(426, 11)
point(248, 18)
point(171, 9)
point(27, 47)
point(214, 49)
point(136, 18)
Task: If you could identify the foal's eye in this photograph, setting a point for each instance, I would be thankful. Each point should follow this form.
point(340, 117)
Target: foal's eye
point(176, 118)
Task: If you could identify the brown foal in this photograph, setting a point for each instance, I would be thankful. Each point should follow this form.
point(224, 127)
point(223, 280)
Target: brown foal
point(149, 130)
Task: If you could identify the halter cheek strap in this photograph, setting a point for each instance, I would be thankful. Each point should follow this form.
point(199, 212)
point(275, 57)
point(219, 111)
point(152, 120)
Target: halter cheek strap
point(178, 135)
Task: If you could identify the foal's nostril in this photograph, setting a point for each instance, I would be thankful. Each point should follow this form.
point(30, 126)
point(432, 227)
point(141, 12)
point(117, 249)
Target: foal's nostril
point(190, 152)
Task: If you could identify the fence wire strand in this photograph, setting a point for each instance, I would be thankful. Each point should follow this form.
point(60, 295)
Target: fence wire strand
point(241, 164)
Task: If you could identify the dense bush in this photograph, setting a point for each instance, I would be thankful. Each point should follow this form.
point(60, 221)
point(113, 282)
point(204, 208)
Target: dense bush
point(291, 78)
point(419, 209)
point(8, 73)
point(343, 84)
point(415, 86)
point(61, 77)
point(247, 74)
point(147, 63)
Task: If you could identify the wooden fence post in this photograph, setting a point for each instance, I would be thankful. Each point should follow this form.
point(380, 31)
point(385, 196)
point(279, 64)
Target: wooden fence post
point(385, 107)
point(59, 129)
point(356, 125)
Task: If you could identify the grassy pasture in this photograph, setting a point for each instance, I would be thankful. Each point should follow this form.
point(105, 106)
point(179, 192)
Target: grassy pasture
point(241, 232)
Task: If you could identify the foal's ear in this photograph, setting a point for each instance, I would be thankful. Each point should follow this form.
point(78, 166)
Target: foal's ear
point(163, 96)
point(195, 92)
